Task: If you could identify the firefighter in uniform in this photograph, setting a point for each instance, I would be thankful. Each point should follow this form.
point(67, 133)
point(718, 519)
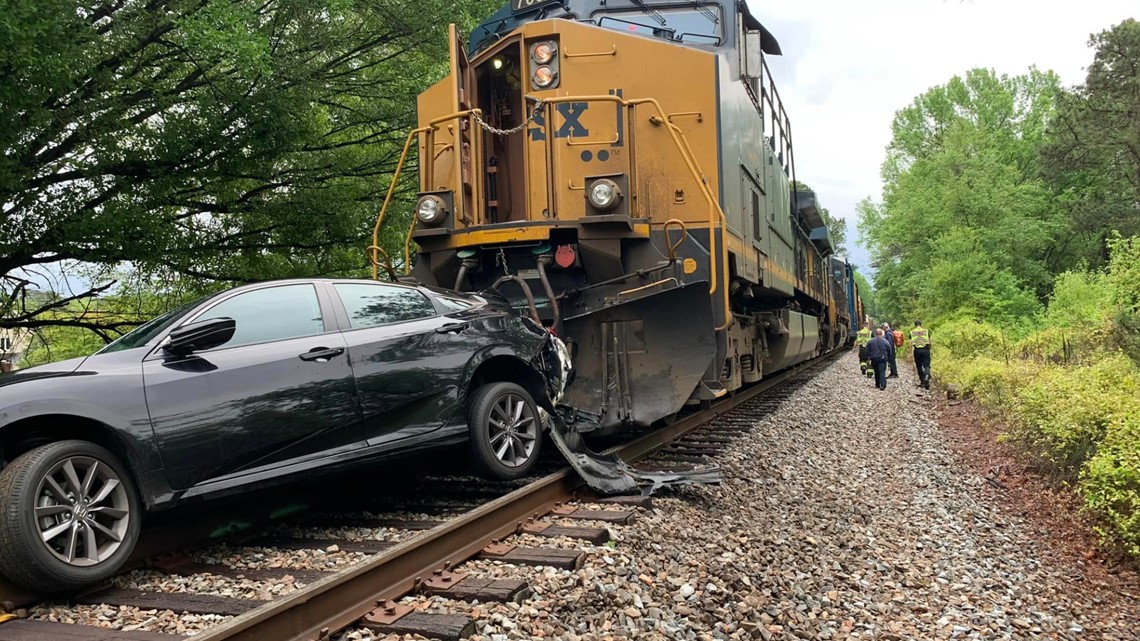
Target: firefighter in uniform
point(862, 337)
point(920, 341)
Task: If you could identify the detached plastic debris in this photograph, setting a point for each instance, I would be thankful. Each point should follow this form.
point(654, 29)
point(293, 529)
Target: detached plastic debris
point(608, 474)
point(605, 473)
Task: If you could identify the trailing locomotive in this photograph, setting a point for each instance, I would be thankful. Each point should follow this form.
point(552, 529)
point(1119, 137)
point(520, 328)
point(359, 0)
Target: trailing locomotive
point(625, 171)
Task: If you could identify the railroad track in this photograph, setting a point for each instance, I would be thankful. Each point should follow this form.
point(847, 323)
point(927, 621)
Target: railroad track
point(348, 568)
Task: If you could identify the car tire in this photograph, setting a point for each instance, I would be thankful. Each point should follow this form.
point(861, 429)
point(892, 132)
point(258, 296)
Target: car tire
point(506, 431)
point(36, 492)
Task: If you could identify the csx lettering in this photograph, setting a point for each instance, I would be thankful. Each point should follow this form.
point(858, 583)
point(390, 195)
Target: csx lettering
point(572, 126)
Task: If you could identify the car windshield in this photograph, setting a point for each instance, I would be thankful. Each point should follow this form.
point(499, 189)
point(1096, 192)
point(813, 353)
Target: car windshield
point(698, 23)
point(142, 334)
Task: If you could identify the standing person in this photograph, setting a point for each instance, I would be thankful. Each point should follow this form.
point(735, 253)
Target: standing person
point(878, 350)
point(862, 337)
point(920, 342)
point(890, 336)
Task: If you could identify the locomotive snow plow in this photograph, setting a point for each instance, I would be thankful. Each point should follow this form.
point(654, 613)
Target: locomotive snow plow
point(638, 360)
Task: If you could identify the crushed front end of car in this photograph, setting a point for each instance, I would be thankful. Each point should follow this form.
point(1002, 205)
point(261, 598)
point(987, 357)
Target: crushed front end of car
point(603, 472)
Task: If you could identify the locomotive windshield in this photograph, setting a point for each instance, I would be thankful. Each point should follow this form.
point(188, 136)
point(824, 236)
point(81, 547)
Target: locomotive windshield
point(699, 25)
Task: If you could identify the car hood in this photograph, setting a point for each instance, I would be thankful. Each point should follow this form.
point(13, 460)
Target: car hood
point(51, 370)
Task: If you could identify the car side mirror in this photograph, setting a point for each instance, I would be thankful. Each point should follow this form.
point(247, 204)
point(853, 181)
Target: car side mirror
point(195, 337)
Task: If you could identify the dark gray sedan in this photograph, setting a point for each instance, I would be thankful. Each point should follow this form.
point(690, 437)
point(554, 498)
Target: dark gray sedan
point(249, 388)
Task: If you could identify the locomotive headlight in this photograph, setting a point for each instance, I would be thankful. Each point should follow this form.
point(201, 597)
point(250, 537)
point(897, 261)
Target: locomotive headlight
point(543, 52)
point(604, 194)
point(543, 76)
point(431, 210)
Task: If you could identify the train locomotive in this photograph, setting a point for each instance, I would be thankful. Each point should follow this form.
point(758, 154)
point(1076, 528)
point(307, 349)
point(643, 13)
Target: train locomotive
point(624, 171)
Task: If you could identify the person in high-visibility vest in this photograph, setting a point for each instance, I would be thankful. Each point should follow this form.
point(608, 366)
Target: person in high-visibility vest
point(862, 337)
point(920, 342)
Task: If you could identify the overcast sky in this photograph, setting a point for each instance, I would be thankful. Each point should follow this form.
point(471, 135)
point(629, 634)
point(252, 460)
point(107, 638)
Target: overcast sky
point(849, 66)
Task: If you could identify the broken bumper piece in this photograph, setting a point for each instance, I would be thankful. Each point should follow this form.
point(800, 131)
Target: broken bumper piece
point(608, 474)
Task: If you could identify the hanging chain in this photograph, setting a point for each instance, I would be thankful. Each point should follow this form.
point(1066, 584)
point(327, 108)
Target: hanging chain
point(538, 102)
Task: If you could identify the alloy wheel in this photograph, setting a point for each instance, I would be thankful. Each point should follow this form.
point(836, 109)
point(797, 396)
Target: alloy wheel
point(82, 511)
point(513, 430)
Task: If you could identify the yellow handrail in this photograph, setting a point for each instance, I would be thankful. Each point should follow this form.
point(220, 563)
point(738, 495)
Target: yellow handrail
point(374, 249)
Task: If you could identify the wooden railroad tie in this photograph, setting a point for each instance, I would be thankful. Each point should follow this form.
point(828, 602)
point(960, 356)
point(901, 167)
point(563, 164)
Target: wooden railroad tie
point(300, 543)
point(562, 559)
point(595, 535)
point(27, 630)
point(632, 500)
point(185, 566)
point(322, 519)
point(390, 617)
point(620, 517)
point(460, 587)
point(177, 602)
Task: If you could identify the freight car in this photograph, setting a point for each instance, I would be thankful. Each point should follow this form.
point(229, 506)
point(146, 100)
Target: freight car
point(624, 170)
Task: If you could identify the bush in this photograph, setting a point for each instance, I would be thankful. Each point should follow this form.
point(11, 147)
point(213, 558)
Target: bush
point(967, 338)
point(980, 377)
point(1110, 482)
point(1067, 345)
point(1063, 413)
point(1079, 299)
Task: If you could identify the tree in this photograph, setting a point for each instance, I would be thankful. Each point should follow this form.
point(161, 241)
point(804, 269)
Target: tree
point(226, 140)
point(867, 294)
point(966, 221)
point(1093, 154)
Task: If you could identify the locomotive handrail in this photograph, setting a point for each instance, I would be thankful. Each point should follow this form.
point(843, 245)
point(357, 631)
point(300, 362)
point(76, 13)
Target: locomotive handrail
point(374, 250)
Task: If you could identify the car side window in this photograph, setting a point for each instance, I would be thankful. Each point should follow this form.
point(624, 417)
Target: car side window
point(271, 314)
point(372, 305)
point(454, 304)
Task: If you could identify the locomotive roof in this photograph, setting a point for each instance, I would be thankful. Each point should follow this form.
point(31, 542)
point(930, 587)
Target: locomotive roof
point(506, 19)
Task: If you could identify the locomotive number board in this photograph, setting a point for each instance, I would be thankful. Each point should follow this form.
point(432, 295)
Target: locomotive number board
point(519, 6)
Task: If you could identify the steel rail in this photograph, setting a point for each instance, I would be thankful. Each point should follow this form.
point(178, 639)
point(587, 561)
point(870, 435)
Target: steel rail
point(322, 609)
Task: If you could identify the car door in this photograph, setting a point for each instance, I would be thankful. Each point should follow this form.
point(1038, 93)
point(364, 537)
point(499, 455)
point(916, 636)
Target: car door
point(279, 391)
point(406, 357)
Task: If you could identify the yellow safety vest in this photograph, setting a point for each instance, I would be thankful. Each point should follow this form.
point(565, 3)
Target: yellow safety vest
point(863, 337)
point(919, 337)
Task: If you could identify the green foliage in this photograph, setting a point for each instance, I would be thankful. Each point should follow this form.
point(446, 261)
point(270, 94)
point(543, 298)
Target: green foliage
point(1064, 412)
point(967, 338)
point(226, 140)
point(57, 343)
point(1079, 299)
point(965, 222)
point(1091, 157)
point(1111, 481)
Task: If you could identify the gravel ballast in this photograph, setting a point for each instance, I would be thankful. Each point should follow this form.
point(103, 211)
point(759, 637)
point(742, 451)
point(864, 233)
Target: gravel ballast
point(843, 515)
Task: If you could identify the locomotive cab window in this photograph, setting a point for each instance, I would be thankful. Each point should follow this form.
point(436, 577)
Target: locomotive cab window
point(692, 24)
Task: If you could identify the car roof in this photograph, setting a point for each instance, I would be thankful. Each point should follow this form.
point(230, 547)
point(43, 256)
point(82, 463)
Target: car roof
point(333, 281)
